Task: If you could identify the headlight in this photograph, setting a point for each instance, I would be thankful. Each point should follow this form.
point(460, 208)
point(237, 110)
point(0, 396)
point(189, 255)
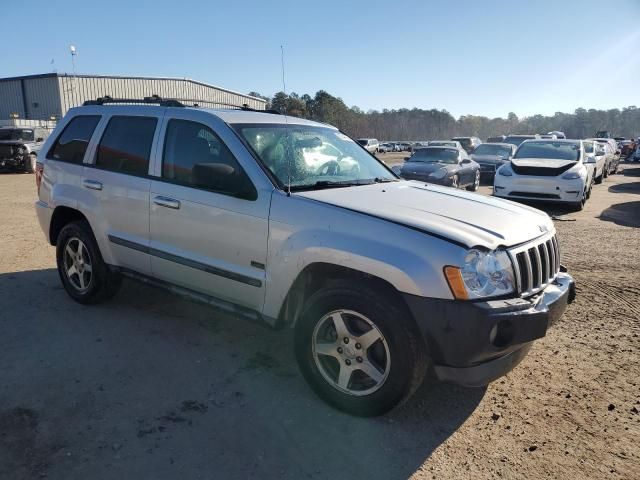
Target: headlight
point(483, 274)
point(572, 175)
point(438, 174)
point(505, 170)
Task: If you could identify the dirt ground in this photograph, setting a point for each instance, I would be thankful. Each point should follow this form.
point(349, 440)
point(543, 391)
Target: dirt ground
point(151, 386)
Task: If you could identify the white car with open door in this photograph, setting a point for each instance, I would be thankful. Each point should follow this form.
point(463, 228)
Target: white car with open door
point(547, 170)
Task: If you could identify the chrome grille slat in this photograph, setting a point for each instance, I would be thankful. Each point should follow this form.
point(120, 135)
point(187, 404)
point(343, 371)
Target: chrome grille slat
point(536, 264)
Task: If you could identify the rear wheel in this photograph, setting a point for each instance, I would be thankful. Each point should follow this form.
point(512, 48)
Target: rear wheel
point(358, 350)
point(84, 275)
point(599, 179)
point(476, 183)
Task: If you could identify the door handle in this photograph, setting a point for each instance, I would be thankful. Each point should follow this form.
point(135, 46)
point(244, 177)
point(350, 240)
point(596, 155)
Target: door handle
point(92, 184)
point(166, 202)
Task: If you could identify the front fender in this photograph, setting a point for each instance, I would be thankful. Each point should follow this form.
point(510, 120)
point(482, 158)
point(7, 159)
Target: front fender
point(409, 260)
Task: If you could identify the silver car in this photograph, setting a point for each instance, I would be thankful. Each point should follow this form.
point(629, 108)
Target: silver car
point(293, 224)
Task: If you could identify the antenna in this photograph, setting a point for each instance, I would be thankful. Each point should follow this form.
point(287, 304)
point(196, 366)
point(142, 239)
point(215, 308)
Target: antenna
point(286, 123)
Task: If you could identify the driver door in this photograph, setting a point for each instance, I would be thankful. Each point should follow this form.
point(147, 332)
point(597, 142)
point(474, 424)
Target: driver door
point(208, 223)
point(467, 173)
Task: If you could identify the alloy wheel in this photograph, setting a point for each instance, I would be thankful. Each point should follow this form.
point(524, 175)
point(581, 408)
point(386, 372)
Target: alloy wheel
point(77, 264)
point(350, 352)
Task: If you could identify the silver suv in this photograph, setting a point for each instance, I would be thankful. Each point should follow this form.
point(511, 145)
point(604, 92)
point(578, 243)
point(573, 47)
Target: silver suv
point(292, 223)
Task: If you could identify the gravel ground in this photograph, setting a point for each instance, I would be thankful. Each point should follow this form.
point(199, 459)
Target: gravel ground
point(151, 386)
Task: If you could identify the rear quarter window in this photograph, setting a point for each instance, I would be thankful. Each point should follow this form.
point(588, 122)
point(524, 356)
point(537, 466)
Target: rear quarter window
point(72, 143)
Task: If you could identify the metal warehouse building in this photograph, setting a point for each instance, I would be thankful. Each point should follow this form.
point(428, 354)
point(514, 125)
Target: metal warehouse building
point(50, 95)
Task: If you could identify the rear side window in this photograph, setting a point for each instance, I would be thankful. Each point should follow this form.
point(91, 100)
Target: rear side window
point(72, 143)
point(126, 145)
point(195, 156)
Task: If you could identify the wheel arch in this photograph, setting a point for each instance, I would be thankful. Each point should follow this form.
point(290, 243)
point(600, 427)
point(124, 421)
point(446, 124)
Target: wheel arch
point(62, 216)
point(319, 275)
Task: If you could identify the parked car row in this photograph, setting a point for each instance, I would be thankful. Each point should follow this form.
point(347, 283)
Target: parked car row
point(556, 170)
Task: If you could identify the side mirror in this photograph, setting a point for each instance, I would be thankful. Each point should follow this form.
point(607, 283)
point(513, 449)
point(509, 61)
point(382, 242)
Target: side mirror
point(465, 160)
point(39, 139)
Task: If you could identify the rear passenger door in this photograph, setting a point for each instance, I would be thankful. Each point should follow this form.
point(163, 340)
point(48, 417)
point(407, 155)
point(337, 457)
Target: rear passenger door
point(208, 222)
point(118, 178)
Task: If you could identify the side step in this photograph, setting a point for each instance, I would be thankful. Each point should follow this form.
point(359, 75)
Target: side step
point(211, 301)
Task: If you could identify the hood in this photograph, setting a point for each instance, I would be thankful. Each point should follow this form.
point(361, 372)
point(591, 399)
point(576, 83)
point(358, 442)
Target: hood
point(542, 162)
point(424, 168)
point(466, 218)
point(497, 159)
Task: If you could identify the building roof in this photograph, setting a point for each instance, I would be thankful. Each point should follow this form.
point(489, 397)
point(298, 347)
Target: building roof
point(126, 77)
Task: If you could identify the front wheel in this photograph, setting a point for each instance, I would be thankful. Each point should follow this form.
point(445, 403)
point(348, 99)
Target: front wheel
point(454, 181)
point(359, 350)
point(476, 183)
point(30, 163)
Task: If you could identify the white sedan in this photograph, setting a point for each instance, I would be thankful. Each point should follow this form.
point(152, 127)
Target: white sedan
point(547, 170)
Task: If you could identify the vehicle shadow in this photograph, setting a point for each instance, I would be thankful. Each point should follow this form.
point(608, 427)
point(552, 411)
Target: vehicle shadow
point(631, 172)
point(632, 187)
point(151, 386)
point(626, 214)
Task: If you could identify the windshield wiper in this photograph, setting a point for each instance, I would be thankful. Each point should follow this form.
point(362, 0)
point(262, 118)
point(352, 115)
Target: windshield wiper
point(327, 184)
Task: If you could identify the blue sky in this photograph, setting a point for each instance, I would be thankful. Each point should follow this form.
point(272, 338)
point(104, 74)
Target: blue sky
point(468, 57)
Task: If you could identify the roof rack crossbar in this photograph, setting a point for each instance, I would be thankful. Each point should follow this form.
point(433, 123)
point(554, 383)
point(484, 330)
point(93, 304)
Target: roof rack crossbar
point(172, 102)
point(153, 99)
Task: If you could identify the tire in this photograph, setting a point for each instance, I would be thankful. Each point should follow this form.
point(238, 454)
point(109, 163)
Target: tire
point(476, 183)
point(454, 181)
point(77, 249)
point(599, 179)
point(605, 172)
point(399, 352)
point(30, 164)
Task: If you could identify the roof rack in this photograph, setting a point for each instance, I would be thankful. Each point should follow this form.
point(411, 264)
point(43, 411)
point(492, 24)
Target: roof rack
point(153, 99)
point(171, 102)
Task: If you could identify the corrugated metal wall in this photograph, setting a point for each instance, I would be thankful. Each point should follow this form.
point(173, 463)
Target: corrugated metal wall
point(53, 94)
point(11, 99)
point(75, 90)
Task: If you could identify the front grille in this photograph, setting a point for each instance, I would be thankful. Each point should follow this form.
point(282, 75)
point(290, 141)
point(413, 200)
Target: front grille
point(536, 264)
point(540, 171)
point(534, 195)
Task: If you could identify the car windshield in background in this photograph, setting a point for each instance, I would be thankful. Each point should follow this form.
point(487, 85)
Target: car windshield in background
point(312, 156)
point(442, 144)
point(16, 134)
point(516, 140)
point(488, 149)
point(363, 142)
point(435, 155)
point(549, 150)
point(465, 142)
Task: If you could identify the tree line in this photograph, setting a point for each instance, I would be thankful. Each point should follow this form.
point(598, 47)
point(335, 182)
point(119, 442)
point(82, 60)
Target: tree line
point(420, 124)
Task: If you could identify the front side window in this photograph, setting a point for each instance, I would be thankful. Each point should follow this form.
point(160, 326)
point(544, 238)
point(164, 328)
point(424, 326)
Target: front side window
point(195, 156)
point(549, 150)
point(72, 144)
point(307, 157)
point(588, 147)
point(126, 145)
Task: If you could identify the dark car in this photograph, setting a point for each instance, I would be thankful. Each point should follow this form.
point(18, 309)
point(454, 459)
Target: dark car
point(627, 147)
point(518, 139)
point(496, 139)
point(491, 156)
point(447, 166)
point(468, 143)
